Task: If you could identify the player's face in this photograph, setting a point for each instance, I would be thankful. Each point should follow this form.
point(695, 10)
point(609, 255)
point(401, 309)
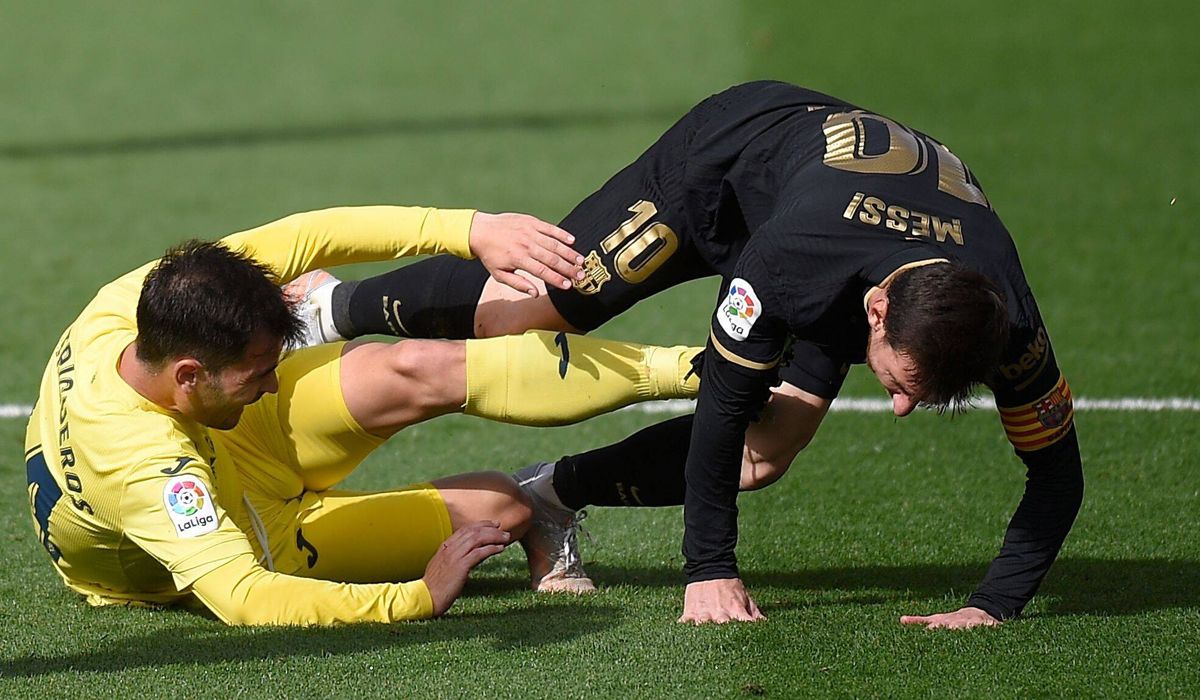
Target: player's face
point(896, 372)
point(225, 394)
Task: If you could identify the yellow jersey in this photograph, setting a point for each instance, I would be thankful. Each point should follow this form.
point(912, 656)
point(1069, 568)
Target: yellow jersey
point(137, 504)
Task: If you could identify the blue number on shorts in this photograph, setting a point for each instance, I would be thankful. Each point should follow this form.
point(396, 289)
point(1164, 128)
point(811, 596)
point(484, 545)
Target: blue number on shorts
point(44, 493)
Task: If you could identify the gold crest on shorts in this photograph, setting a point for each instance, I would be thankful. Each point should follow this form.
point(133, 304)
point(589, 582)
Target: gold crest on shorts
point(594, 274)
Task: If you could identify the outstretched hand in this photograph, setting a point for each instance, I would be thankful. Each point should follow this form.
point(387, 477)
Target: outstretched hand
point(446, 573)
point(506, 243)
point(961, 619)
point(718, 600)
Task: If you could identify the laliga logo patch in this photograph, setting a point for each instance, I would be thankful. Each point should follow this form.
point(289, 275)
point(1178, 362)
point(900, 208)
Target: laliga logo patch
point(190, 506)
point(185, 498)
point(739, 310)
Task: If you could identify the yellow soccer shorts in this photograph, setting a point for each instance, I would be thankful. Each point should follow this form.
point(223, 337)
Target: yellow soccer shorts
point(291, 448)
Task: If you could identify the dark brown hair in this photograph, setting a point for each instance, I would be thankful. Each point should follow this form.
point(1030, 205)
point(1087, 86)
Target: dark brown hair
point(952, 322)
point(205, 301)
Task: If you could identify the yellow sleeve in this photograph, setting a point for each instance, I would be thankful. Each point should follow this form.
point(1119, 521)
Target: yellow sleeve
point(172, 515)
point(301, 242)
point(241, 592)
point(175, 518)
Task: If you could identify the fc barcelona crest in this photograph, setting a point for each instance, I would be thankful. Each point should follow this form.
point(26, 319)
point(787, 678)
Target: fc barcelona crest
point(1052, 411)
point(594, 275)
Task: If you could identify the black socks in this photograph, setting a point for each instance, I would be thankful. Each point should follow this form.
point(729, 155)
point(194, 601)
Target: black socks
point(433, 298)
point(644, 469)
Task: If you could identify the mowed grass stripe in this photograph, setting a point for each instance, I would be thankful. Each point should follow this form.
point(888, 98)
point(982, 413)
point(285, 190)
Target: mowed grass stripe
point(870, 524)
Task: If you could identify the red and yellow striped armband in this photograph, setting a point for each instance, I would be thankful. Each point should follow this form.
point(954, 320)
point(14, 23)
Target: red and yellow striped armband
point(1041, 423)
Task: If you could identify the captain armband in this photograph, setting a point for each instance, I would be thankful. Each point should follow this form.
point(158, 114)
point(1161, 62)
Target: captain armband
point(1041, 423)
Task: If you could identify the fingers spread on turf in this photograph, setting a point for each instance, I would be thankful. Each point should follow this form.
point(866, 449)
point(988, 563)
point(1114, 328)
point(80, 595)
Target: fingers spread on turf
point(958, 620)
point(913, 619)
point(719, 601)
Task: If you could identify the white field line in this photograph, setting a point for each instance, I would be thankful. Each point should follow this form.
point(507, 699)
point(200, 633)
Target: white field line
point(1174, 404)
point(15, 410)
point(860, 405)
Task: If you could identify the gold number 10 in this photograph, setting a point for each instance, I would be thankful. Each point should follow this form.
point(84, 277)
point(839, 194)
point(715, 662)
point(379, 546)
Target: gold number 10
point(633, 244)
point(906, 154)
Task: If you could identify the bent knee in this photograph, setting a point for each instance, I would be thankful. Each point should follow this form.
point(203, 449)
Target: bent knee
point(510, 505)
point(432, 372)
point(421, 359)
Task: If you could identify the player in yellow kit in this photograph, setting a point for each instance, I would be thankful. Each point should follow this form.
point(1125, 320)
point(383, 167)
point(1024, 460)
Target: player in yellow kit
point(173, 453)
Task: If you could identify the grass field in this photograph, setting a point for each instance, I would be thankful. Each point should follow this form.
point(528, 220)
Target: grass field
point(126, 127)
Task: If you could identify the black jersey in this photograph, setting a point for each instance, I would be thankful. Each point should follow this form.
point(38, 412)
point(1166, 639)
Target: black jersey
point(805, 204)
point(837, 201)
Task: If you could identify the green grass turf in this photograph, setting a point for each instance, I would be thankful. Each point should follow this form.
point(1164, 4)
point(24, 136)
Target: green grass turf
point(126, 127)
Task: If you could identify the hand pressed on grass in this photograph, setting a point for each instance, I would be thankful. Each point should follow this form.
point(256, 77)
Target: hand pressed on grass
point(719, 600)
point(961, 619)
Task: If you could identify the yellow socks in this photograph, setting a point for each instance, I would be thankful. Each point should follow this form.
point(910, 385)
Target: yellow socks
point(547, 378)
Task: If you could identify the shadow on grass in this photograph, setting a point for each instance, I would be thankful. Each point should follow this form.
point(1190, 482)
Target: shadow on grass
point(1074, 585)
point(183, 642)
point(256, 136)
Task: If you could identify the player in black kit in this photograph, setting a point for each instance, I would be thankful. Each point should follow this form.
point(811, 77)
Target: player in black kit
point(842, 237)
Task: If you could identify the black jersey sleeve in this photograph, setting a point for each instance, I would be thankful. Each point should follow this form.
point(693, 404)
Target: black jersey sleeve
point(1036, 410)
point(816, 368)
point(744, 349)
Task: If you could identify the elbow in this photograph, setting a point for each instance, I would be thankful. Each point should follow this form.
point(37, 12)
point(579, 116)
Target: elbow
point(759, 476)
point(226, 594)
point(770, 451)
point(759, 471)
